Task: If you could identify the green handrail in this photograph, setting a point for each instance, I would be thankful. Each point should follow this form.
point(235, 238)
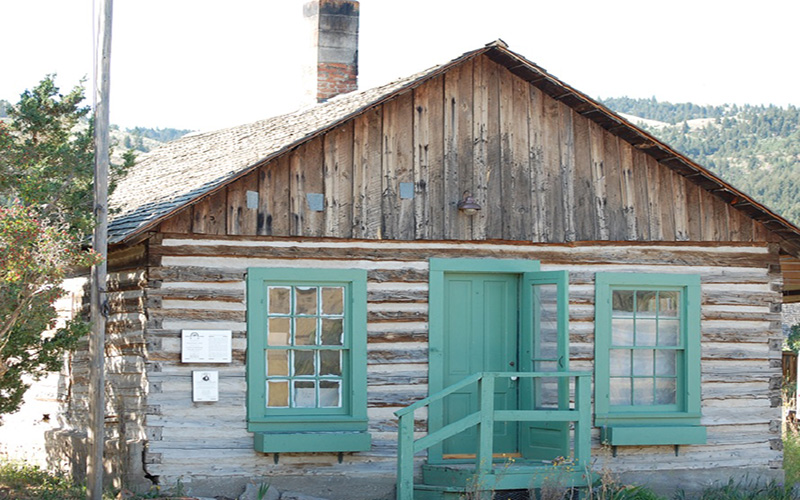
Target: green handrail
point(484, 418)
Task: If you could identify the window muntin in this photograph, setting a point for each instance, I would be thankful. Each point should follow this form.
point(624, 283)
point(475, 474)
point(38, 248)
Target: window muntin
point(646, 350)
point(305, 349)
point(647, 341)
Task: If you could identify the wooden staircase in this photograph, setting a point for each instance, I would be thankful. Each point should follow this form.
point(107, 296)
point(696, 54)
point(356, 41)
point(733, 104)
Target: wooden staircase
point(486, 475)
point(441, 482)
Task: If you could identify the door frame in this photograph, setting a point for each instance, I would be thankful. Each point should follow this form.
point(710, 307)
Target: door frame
point(436, 288)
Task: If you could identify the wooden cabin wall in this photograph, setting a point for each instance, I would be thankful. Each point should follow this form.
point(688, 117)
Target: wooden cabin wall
point(541, 172)
point(125, 382)
point(198, 282)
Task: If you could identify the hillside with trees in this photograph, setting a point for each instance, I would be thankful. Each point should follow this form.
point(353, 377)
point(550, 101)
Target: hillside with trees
point(755, 148)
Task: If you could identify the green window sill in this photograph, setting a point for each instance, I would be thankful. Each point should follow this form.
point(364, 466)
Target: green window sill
point(285, 442)
point(653, 435)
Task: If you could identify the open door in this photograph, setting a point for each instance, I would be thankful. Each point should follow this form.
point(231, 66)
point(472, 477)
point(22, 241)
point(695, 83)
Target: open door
point(544, 347)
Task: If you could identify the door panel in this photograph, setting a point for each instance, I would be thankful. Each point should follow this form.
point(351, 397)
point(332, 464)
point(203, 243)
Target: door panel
point(545, 348)
point(480, 334)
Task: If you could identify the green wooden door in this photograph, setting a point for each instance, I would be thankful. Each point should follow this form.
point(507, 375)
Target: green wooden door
point(544, 347)
point(480, 334)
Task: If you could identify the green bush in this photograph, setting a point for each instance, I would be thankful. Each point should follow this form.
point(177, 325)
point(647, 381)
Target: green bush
point(745, 490)
point(23, 481)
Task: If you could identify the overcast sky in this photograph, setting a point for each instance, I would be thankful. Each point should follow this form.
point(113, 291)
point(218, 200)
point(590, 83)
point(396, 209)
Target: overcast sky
point(207, 64)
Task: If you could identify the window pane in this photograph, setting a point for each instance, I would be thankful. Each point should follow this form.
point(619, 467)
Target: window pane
point(620, 362)
point(666, 391)
point(645, 331)
point(330, 363)
point(330, 394)
point(666, 363)
point(620, 391)
point(333, 301)
point(643, 362)
point(332, 331)
point(280, 300)
point(646, 301)
point(278, 393)
point(643, 391)
point(622, 301)
point(305, 394)
point(305, 300)
point(303, 362)
point(305, 331)
point(278, 331)
point(668, 304)
point(278, 362)
point(668, 331)
point(622, 331)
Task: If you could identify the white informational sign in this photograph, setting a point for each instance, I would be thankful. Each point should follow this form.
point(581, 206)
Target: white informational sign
point(206, 346)
point(205, 386)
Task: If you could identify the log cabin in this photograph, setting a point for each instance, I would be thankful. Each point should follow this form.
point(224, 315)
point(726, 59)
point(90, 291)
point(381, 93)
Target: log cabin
point(473, 277)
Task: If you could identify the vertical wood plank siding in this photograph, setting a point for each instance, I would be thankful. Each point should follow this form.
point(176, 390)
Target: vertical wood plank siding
point(198, 282)
point(540, 171)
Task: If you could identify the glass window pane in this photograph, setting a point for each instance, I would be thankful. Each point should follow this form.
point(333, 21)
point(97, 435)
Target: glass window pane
point(330, 363)
point(620, 391)
point(646, 302)
point(666, 363)
point(622, 301)
point(643, 362)
point(303, 363)
point(280, 300)
point(666, 391)
point(330, 394)
point(305, 300)
point(643, 391)
point(332, 331)
point(278, 362)
point(305, 331)
point(278, 393)
point(668, 304)
point(622, 331)
point(333, 301)
point(668, 331)
point(279, 331)
point(645, 331)
point(620, 363)
point(305, 394)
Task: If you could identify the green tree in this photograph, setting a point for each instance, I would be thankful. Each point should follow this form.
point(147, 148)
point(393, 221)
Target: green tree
point(46, 172)
point(48, 162)
point(36, 256)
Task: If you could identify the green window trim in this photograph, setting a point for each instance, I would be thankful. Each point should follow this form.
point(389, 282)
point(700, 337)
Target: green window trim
point(675, 421)
point(313, 407)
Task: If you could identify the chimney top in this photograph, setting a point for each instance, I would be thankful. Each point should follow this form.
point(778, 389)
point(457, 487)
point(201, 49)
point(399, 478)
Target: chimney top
point(332, 62)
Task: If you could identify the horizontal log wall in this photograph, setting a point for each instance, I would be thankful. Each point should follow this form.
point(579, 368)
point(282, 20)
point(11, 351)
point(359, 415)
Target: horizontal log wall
point(125, 383)
point(199, 283)
point(541, 172)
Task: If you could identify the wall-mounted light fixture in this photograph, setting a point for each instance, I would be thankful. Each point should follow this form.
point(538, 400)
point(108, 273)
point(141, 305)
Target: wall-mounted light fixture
point(468, 205)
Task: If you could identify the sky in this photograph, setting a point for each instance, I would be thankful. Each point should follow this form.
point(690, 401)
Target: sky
point(210, 64)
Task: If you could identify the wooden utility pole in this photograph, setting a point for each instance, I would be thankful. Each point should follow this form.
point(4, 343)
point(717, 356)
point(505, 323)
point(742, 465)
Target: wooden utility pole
point(97, 337)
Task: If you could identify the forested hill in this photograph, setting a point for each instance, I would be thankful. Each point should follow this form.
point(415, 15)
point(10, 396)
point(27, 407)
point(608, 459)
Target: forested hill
point(755, 148)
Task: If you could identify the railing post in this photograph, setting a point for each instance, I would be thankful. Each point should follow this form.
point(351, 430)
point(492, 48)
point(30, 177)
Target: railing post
point(582, 428)
point(405, 457)
point(485, 429)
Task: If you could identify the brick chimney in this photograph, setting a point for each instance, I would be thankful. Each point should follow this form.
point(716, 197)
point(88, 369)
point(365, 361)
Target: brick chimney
point(332, 62)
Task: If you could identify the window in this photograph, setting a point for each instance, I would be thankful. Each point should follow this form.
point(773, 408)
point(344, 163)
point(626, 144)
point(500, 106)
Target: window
point(306, 359)
point(647, 358)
